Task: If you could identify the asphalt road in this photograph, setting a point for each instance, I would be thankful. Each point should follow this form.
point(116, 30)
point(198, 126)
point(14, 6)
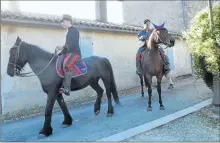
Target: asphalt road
point(88, 127)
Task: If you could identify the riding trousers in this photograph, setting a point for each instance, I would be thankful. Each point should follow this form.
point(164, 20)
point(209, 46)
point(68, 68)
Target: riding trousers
point(69, 61)
point(138, 55)
point(141, 49)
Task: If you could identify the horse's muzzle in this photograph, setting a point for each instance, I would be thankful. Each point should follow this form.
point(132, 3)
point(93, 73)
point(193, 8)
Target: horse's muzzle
point(172, 43)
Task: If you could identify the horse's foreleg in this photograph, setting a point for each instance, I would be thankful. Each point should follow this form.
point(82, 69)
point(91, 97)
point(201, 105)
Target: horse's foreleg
point(47, 129)
point(99, 92)
point(142, 85)
point(159, 92)
point(67, 117)
point(148, 85)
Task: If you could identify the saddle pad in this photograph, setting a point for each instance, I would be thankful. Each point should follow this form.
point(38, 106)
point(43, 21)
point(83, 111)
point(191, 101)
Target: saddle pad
point(79, 68)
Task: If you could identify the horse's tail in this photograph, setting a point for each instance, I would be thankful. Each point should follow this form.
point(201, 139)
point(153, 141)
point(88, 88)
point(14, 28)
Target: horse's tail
point(112, 82)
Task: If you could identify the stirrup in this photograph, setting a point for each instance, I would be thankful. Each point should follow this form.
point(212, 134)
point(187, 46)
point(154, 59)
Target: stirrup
point(65, 91)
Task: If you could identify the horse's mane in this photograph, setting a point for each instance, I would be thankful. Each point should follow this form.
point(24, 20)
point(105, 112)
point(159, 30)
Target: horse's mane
point(36, 50)
point(151, 41)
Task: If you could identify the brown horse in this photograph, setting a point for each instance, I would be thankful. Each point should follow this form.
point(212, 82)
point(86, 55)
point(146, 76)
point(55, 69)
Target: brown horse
point(152, 62)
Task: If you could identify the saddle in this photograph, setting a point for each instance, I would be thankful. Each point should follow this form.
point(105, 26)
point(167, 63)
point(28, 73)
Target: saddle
point(79, 69)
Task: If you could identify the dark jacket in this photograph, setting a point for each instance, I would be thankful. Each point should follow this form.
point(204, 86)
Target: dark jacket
point(72, 42)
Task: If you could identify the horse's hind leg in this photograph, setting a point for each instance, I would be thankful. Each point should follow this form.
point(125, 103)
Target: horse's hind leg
point(110, 111)
point(148, 81)
point(142, 85)
point(159, 78)
point(95, 85)
point(67, 117)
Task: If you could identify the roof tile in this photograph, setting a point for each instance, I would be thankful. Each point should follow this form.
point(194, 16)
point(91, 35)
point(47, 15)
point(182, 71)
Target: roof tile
point(54, 19)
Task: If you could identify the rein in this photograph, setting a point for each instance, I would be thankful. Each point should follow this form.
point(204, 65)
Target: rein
point(162, 42)
point(17, 71)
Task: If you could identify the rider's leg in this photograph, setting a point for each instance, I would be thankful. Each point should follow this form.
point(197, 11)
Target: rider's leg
point(167, 71)
point(69, 62)
point(138, 61)
point(168, 77)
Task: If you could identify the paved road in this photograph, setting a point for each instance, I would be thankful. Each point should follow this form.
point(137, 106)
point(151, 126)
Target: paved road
point(196, 127)
point(88, 127)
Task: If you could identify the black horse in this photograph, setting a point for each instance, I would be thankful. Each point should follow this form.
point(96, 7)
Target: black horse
point(44, 65)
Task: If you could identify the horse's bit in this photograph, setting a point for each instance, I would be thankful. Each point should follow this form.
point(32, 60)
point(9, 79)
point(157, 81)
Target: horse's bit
point(16, 66)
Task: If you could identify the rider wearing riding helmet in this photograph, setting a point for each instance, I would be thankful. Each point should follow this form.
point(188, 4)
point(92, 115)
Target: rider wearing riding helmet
point(144, 35)
point(71, 50)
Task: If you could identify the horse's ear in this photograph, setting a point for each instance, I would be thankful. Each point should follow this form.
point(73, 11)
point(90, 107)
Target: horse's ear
point(158, 27)
point(155, 26)
point(18, 40)
point(162, 25)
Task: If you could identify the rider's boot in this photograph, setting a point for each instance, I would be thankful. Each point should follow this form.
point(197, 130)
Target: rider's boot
point(138, 67)
point(67, 83)
point(167, 71)
point(167, 75)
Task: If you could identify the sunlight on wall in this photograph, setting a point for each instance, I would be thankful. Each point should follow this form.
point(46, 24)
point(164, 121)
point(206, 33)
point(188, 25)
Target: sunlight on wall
point(115, 12)
point(4, 5)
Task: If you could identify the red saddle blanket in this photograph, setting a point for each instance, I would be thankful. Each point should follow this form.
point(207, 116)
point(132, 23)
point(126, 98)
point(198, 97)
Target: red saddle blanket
point(79, 68)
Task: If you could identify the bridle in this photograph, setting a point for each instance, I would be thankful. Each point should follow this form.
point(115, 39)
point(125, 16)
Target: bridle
point(162, 41)
point(18, 69)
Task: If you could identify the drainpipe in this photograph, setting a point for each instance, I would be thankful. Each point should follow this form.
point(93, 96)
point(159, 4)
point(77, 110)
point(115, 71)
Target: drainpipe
point(183, 13)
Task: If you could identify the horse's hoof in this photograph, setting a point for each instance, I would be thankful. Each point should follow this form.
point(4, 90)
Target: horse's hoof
point(41, 136)
point(65, 126)
point(149, 108)
point(117, 102)
point(45, 132)
point(109, 115)
point(97, 112)
point(162, 108)
point(171, 86)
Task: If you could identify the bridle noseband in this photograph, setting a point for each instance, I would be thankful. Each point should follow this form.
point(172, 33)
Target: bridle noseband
point(162, 41)
point(18, 69)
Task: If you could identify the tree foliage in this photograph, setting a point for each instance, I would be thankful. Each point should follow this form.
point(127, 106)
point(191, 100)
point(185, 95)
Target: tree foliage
point(204, 43)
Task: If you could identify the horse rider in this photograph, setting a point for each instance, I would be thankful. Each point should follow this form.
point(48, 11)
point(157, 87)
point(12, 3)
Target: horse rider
point(144, 35)
point(71, 50)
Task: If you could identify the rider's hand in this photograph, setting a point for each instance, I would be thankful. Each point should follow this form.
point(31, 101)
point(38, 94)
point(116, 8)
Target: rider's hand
point(59, 47)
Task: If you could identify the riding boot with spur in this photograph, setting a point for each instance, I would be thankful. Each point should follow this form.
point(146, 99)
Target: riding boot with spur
point(67, 83)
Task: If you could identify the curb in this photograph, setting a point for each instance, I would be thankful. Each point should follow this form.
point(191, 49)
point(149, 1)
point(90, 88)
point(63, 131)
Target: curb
point(156, 123)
